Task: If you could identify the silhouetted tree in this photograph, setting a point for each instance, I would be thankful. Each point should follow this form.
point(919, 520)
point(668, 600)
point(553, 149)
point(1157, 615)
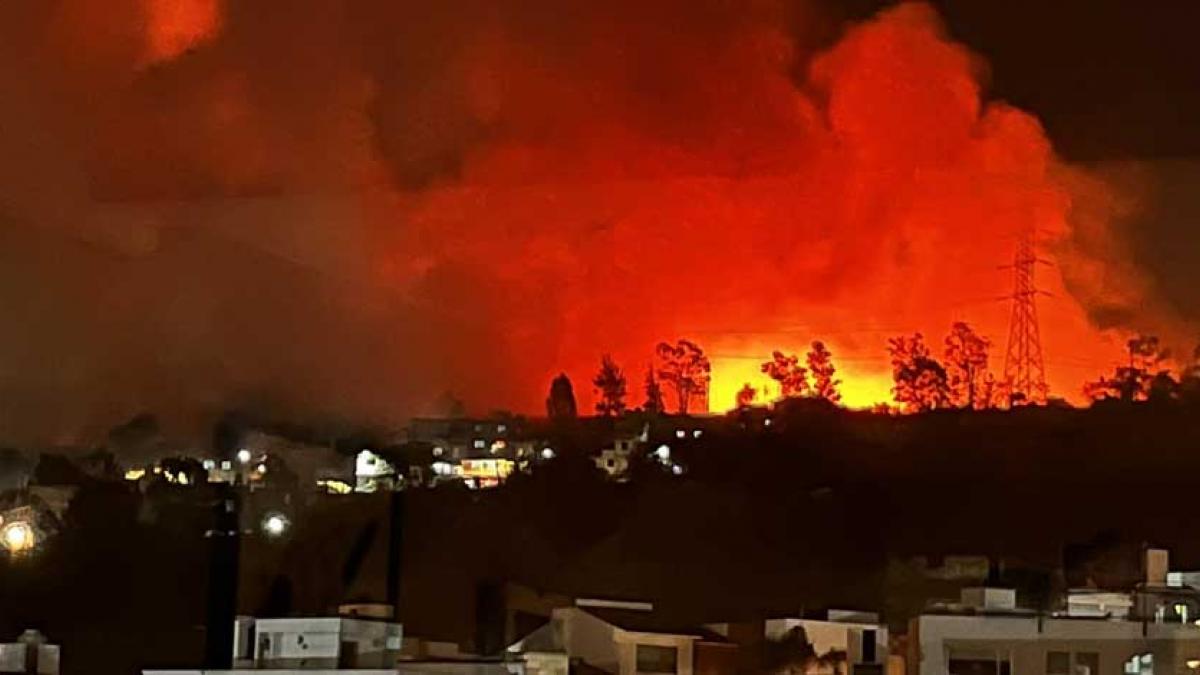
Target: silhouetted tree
point(561, 402)
point(820, 364)
point(920, 381)
point(746, 396)
point(789, 654)
point(685, 367)
point(787, 371)
point(994, 393)
point(966, 362)
point(654, 397)
point(1142, 378)
point(610, 385)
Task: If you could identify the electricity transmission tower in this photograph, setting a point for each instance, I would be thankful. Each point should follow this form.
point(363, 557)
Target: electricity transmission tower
point(1023, 366)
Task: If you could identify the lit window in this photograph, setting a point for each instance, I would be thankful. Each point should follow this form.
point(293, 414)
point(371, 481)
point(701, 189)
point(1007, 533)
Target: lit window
point(479, 443)
point(677, 469)
point(438, 450)
point(680, 433)
point(663, 453)
point(548, 453)
point(501, 428)
point(226, 465)
point(697, 433)
point(208, 464)
point(767, 422)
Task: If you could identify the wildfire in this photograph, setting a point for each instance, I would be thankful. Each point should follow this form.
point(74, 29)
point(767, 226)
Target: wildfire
point(878, 197)
point(861, 387)
point(417, 198)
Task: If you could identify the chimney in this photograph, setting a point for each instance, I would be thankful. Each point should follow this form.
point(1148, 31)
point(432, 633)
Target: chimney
point(1157, 563)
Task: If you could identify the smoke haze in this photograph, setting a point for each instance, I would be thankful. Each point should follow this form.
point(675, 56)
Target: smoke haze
point(346, 209)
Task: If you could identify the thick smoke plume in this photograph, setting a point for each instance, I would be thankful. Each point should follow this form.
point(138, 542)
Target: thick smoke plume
point(347, 209)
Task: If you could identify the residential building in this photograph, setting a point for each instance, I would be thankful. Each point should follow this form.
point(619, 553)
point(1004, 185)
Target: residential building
point(310, 462)
point(31, 654)
point(454, 439)
point(373, 473)
point(858, 635)
point(987, 634)
point(324, 642)
point(621, 638)
point(336, 646)
point(855, 642)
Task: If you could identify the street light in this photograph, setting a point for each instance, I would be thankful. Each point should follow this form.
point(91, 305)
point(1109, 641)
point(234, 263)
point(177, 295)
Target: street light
point(275, 524)
point(243, 456)
point(17, 536)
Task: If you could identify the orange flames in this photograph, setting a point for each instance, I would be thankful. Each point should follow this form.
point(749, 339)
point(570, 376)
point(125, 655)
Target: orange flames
point(877, 195)
point(354, 207)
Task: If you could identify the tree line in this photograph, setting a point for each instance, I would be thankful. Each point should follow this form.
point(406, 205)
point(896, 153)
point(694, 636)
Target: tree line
point(682, 375)
point(960, 377)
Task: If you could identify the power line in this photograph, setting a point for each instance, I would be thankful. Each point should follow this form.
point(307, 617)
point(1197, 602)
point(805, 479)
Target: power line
point(1024, 367)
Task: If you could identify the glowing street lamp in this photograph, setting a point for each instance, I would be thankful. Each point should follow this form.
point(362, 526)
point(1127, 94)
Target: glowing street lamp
point(275, 524)
point(243, 456)
point(17, 536)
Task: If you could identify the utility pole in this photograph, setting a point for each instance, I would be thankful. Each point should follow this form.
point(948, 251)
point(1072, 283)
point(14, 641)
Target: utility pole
point(1023, 367)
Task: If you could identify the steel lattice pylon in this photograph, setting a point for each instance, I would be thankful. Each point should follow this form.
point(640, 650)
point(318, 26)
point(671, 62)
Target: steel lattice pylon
point(1023, 367)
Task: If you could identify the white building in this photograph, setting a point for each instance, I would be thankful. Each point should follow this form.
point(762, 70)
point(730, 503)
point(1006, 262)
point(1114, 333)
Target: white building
point(29, 654)
point(372, 472)
point(987, 634)
point(324, 642)
point(615, 637)
point(333, 646)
